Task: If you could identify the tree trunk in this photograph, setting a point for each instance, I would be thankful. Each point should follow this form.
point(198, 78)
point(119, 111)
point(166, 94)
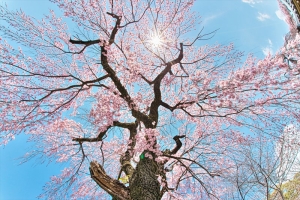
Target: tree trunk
point(143, 184)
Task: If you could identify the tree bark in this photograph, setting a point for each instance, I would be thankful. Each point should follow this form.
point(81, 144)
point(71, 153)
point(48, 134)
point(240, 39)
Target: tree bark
point(116, 189)
point(144, 184)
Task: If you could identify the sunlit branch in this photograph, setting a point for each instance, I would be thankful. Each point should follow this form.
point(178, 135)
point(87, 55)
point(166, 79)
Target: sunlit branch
point(110, 185)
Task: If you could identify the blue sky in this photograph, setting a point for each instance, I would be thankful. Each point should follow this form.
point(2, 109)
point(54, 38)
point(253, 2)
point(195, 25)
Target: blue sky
point(255, 26)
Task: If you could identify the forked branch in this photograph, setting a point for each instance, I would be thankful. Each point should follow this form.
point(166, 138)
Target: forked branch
point(157, 83)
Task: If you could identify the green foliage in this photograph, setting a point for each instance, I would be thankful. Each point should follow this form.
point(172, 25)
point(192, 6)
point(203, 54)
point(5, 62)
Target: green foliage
point(290, 189)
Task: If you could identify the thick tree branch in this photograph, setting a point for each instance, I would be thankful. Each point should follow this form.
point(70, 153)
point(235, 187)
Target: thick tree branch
point(89, 42)
point(96, 139)
point(85, 43)
point(157, 82)
point(102, 134)
point(178, 105)
point(124, 93)
point(178, 143)
point(110, 185)
point(117, 26)
point(125, 125)
point(112, 74)
point(169, 65)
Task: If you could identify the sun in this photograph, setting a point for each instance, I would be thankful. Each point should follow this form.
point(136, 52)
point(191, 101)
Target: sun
point(156, 41)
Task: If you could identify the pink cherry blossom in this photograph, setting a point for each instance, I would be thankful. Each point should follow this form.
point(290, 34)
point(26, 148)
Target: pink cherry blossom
point(110, 103)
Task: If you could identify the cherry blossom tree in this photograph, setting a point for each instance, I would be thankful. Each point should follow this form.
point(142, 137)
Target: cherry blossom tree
point(137, 107)
point(288, 17)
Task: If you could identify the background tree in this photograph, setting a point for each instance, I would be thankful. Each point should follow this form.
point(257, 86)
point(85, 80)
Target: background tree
point(288, 165)
point(290, 189)
point(267, 166)
point(133, 104)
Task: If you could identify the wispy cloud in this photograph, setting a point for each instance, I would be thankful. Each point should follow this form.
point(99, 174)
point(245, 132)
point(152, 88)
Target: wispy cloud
point(262, 16)
point(252, 2)
point(210, 18)
point(268, 49)
point(280, 15)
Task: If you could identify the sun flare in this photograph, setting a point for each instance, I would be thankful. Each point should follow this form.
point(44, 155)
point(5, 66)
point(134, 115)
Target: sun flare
point(156, 41)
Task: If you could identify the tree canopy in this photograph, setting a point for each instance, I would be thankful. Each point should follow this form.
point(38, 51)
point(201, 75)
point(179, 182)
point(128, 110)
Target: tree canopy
point(133, 103)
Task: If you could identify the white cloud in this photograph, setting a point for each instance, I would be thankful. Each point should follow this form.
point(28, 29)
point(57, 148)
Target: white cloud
point(280, 15)
point(252, 2)
point(262, 16)
point(270, 42)
point(210, 18)
point(268, 49)
point(248, 1)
